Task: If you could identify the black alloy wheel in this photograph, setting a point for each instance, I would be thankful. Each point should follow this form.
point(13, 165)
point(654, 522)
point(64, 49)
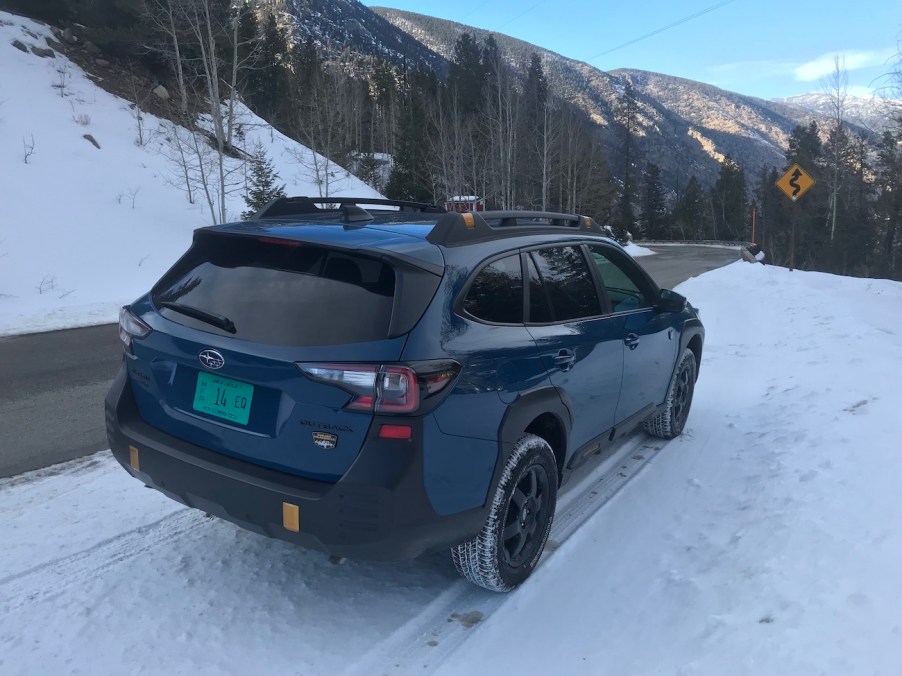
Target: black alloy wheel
point(527, 511)
point(682, 396)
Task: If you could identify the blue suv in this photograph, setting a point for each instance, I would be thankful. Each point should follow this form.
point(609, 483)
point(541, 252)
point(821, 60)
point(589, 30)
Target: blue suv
point(387, 381)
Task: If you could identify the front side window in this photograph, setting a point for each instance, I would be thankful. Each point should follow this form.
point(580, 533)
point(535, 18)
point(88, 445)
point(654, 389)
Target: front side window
point(623, 285)
point(496, 294)
point(567, 282)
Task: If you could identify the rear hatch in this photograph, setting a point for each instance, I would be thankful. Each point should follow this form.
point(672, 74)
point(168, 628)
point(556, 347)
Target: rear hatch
point(236, 318)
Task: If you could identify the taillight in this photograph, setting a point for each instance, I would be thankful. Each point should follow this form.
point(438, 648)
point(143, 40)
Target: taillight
point(386, 388)
point(130, 327)
point(397, 391)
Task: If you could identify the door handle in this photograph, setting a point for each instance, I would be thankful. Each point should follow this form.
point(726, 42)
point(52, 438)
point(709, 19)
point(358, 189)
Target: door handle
point(564, 359)
point(631, 341)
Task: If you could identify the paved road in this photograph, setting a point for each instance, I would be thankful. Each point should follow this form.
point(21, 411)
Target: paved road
point(51, 395)
point(672, 265)
point(52, 384)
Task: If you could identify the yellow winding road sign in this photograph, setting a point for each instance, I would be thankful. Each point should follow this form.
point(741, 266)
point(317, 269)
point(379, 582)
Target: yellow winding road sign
point(795, 182)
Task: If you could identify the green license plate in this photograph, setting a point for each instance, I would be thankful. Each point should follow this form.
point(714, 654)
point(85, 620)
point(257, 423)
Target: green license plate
point(223, 397)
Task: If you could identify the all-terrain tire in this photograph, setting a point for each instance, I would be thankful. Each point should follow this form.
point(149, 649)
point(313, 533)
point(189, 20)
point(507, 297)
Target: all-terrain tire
point(669, 423)
point(510, 544)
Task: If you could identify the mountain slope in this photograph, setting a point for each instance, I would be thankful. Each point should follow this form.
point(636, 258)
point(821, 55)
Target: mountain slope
point(336, 24)
point(85, 229)
point(687, 127)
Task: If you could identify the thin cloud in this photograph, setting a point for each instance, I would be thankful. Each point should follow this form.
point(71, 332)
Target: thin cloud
point(862, 91)
point(854, 60)
point(755, 69)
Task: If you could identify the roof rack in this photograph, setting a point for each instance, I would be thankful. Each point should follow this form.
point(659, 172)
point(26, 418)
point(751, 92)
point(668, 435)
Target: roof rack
point(455, 229)
point(284, 207)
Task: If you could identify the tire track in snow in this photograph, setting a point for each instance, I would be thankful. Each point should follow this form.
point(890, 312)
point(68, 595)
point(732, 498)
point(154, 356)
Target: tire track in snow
point(54, 578)
point(425, 641)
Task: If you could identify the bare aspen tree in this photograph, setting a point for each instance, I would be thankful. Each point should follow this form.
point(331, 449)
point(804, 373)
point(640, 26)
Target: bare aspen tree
point(569, 167)
point(233, 84)
point(548, 147)
point(319, 111)
point(836, 87)
point(501, 117)
point(199, 21)
point(161, 14)
point(139, 99)
point(179, 156)
point(449, 144)
point(201, 27)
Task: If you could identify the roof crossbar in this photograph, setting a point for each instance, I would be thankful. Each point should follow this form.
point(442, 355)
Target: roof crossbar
point(286, 207)
point(454, 229)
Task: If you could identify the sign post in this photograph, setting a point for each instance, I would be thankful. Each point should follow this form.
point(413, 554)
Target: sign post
point(794, 183)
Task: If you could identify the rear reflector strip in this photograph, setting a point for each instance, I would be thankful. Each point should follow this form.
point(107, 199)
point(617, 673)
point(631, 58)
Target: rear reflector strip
point(133, 458)
point(395, 432)
point(291, 517)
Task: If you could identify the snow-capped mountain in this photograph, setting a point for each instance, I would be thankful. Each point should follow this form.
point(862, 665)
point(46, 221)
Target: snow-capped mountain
point(870, 112)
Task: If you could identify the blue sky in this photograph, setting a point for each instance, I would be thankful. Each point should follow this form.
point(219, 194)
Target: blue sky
point(762, 48)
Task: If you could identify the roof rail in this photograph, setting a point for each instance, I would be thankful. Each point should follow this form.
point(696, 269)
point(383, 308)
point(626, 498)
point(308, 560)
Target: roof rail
point(455, 229)
point(284, 207)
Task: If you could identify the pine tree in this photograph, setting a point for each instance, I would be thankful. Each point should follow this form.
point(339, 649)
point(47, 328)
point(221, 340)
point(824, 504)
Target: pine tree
point(467, 75)
point(411, 175)
point(262, 188)
point(690, 211)
point(730, 204)
point(627, 116)
point(654, 209)
point(771, 212)
point(267, 81)
point(889, 203)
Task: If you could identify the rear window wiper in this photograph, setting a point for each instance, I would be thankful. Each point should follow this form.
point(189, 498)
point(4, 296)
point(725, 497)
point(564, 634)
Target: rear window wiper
point(223, 323)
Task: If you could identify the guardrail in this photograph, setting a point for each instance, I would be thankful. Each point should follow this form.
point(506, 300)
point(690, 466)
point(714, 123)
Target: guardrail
point(719, 244)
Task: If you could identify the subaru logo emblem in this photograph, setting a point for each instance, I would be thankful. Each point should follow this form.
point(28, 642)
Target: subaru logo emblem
point(211, 359)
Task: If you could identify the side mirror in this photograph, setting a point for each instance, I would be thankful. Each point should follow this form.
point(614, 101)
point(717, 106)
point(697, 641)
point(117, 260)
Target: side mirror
point(670, 301)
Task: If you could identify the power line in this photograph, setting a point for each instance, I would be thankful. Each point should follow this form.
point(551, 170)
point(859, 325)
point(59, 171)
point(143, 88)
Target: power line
point(521, 14)
point(479, 7)
point(664, 28)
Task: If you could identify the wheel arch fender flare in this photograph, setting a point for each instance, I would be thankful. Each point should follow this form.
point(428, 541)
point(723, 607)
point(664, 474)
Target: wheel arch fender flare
point(526, 408)
point(693, 332)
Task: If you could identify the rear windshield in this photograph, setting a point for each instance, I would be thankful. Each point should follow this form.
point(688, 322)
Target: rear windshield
point(278, 292)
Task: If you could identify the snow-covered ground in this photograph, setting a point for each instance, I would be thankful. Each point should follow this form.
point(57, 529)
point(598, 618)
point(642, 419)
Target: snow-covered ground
point(766, 540)
point(84, 230)
point(637, 251)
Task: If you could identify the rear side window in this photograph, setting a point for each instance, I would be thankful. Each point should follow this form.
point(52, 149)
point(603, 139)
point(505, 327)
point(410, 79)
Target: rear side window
point(279, 292)
point(567, 282)
point(496, 294)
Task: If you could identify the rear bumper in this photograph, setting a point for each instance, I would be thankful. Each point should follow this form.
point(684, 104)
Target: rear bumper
point(378, 510)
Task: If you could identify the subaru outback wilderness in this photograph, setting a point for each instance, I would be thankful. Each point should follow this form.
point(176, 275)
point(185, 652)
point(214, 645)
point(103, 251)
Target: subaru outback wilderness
point(384, 382)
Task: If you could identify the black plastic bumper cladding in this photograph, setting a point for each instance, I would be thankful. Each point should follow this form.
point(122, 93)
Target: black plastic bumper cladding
point(378, 510)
